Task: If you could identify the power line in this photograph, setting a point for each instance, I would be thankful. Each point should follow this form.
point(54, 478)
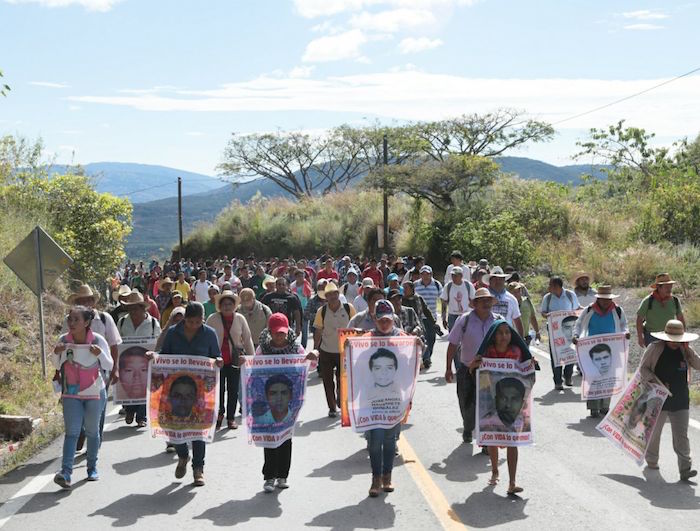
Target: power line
point(627, 97)
point(144, 189)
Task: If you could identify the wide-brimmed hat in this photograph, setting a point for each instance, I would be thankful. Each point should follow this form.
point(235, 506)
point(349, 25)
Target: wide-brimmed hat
point(268, 279)
point(226, 294)
point(674, 331)
point(605, 292)
point(496, 272)
point(123, 291)
point(330, 288)
point(135, 299)
point(581, 274)
point(165, 281)
point(84, 291)
point(483, 293)
point(512, 286)
point(661, 280)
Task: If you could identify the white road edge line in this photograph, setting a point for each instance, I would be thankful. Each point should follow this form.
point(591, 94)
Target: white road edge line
point(691, 422)
point(36, 485)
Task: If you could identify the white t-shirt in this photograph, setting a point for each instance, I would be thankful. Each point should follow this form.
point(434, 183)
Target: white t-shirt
point(507, 306)
point(201, 290)
point(466, 276)
point(460, 297)
point(360, 304)
point(352, 290)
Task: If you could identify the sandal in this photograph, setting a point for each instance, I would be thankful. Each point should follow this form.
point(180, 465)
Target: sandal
point(494, 479)
point(514, 489)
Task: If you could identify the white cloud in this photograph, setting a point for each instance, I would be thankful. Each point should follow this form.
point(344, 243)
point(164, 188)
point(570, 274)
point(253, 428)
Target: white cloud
point(413, 45)
point(645, 14)
point(327, 8)
point(393, 20)
point(90, 5)
point(335, 47)
point(416, 95)
point(49, 84)
point(301, 72)
point(642, 27)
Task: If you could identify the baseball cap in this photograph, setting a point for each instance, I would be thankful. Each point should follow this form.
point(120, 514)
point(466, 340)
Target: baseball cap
point(383, 309)
point(426, 269)
point(392, 276)
point(457, 271)
point(278, 322)
point(368, 282)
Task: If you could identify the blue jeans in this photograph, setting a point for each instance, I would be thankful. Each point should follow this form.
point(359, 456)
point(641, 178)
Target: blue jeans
point(304, 332)
point(429, 339)
point(76, 413)
point(451, 318)
point(198, 448)
point(382, 445)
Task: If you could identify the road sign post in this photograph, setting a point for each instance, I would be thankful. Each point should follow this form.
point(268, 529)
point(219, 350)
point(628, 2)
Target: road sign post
point(38, 261)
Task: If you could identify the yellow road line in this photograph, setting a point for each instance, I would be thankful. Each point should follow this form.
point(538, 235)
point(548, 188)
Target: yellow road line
point(433, 495)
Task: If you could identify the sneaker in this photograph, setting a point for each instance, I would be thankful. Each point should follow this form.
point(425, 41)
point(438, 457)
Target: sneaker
point(687, 474)
point(170, 449)
point(130, 417)
point(62, 481)
point(559, 387)
point(181, 468)
point(282, 483)
point(93, 475)
point(568, 382)
point(141, 424)
point(122, 411)
point(232, 425)
point(198, 474)
point(269, 485)
point(467, 437)
point(427, 364)
point(332, 413)
point(81, 442)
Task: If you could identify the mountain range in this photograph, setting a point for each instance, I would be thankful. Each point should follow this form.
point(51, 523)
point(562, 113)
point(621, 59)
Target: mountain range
point(153, 192)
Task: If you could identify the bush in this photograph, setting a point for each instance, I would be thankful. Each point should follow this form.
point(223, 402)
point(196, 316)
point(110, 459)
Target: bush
point(672, 213)
point(500, 238)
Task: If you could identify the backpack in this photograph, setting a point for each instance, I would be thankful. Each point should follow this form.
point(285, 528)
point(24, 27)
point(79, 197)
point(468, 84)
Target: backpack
point(102, 318)
point(618, 310)
point(675, 301)
point(123, 318)
point(325, 306)
point(569, 296)
point(448, 286)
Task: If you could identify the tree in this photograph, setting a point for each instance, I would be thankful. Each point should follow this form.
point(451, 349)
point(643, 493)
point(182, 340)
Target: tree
point(488, 135)
point(438, 181)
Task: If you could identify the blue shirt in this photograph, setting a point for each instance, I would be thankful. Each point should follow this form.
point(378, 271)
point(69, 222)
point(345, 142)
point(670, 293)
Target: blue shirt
point(567, 301)
point(601, 324)
point(204, 342)
point(430, 293)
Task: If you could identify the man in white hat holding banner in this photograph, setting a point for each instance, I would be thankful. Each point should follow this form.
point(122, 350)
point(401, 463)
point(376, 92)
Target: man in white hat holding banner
point(667, 361)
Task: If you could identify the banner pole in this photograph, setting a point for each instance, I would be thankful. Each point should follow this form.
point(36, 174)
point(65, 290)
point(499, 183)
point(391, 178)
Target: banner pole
point(40, 292)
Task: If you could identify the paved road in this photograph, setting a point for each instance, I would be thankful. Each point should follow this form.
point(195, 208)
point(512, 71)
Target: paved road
point(573, 478)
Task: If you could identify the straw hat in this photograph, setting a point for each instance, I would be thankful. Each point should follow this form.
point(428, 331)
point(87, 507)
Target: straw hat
point(83, 292)
point(330, 288)
point(661, 280)
point(483, 293)
point(122, 292)
point(227, 294)
point(165, 282)
point(674, 331)
point(496, 272)
point(605, 292)
point(581, 274)
point(135, 299)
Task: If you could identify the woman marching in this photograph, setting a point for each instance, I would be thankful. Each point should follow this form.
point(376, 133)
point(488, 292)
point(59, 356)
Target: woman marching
point(82, 391)
point(503, 341)
point(278, 339)
point(234, 338)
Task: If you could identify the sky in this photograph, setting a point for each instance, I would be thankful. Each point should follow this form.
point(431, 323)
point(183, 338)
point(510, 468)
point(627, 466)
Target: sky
point(167, 81)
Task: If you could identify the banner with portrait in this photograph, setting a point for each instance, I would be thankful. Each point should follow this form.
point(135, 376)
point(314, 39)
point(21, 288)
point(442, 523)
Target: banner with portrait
point(183, 398)
point(272, 391)
point(504, 402)
point(80, 372)
point(382, 375)
point(343, 335)
point(131, 389)
point(603, 362)
point(631, 422)
point(560, 326)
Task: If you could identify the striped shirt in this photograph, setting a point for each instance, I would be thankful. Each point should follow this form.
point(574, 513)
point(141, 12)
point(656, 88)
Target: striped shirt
point(430, 293)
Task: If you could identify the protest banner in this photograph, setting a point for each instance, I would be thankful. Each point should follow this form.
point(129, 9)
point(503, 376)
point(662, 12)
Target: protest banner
point(183, 398)
point(80, 370)
point(603, 362)
point(382, 375)
point(343, 335)
point(272, 392)
point(560, 326)
point(631, 422)
point(131, 389)
point(504, 402)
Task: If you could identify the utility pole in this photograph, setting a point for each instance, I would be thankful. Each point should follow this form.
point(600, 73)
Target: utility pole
point(386, 198)
point(179, 211)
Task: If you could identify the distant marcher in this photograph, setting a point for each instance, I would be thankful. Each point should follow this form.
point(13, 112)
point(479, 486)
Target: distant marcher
point(528, 314)
point(282, 301)
point(457, 260)
point(559, 299)
point(583, 290)
point(506, 305)
point(210, 303)
point(657, 308)
point(430, 289)
point(182, 286)
point(360, 301)
point(255, 313)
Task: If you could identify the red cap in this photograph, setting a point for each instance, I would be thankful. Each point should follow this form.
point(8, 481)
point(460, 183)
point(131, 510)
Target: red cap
point(278, 322)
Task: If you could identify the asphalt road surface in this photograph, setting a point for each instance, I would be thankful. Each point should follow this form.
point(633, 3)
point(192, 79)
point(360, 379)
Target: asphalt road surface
point(573, 477)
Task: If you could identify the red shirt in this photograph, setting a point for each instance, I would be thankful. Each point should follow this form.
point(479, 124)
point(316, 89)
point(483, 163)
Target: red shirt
point(513, 353)
point(375, 275)
point(226, 343)
point(325, 274)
